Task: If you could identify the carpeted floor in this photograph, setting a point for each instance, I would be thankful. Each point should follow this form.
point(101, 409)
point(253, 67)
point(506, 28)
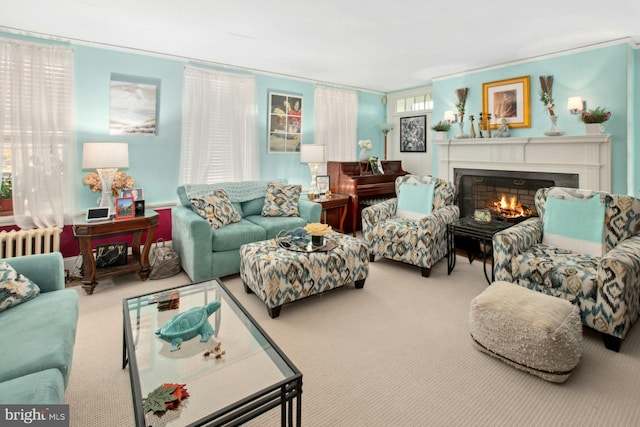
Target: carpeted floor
point(395, 353)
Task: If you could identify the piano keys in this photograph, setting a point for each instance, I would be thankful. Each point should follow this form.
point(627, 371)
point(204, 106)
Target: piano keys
point(357, 180)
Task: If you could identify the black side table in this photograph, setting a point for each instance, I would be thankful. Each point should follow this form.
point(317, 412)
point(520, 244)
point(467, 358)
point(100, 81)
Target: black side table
point(480, 231)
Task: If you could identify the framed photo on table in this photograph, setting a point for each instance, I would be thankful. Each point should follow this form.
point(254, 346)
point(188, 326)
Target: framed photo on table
point(124, 208)
point(136, 193)
point(413, 133)
point(322, 183)
point(509, 100)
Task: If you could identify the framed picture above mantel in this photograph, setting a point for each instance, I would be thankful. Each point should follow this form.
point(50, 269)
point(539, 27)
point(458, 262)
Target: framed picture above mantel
point(285, 123)
point(508, 99)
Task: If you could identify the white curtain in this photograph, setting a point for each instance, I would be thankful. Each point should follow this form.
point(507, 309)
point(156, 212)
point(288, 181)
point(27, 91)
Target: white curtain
point(36, 120)
point(336, 117)
point(218, 130)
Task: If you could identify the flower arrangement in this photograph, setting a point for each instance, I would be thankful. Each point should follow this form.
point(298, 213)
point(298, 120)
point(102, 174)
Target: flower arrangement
point(441, 126)
point(546, 93)
point(317, 229)
point(595, 115)
point(365, 143)
point(120, 182)
point(461, 94)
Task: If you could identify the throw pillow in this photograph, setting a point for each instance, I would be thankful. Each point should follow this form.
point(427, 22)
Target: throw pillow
point(281, 200)
point(14, 287)
point(216, 208)
point(575, 224)
point(415, 201)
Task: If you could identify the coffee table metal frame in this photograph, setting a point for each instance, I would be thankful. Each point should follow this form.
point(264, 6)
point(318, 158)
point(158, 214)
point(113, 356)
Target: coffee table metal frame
point(479, 231)
point(282, 393)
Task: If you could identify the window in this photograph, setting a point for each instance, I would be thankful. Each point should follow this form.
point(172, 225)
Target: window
point(414, 103)
point(218, 129)
point(36, 125)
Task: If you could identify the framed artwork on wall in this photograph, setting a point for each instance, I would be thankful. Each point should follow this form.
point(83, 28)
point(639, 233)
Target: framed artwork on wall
point(509, 100)
point(124, 208)
point(285, 123)
point(413, 133)
point(133, 105)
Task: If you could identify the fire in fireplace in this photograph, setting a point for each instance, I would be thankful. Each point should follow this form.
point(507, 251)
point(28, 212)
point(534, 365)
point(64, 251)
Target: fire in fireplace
point(481, 188)
point(509, 208)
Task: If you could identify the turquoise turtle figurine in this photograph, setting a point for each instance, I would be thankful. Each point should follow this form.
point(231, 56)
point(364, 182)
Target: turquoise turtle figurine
point(187, 325)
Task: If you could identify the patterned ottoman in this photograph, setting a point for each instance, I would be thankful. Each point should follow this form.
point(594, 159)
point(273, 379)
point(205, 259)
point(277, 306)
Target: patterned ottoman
point(532, 331)
point(278, 276)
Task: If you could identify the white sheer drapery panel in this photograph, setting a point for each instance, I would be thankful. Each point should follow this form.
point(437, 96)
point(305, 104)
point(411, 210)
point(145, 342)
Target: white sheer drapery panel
point(36, 119)
point(336, 117)
point(218, 127)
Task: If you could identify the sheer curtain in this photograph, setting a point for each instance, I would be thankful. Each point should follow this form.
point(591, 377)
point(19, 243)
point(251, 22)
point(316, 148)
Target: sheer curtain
point(36, 120)
point(218, 131)
point(336, 117)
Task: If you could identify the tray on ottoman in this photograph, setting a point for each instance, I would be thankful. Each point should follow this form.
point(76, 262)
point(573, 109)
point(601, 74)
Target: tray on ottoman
point(278, 275)
point(532, 331)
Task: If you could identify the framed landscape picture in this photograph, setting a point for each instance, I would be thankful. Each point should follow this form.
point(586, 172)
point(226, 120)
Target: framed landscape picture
point(133, 105)
point(413, 133)
point(285, 123)
point(124, 208)
point(507, 99)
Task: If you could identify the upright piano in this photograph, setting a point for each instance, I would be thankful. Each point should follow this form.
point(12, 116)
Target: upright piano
point(358, 180)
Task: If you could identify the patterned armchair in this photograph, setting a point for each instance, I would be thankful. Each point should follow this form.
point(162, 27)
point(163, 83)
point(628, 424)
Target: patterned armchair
point(416, 242)
point(606, 288)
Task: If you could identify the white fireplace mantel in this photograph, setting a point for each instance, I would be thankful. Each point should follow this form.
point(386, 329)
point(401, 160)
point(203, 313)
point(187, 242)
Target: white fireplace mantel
point(588, 156)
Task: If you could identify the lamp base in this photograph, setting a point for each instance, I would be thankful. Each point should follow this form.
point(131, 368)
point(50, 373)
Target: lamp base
point(107, 175)
point(313, 170)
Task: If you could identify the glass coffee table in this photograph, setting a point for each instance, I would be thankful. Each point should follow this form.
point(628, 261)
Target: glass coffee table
point(251, 377)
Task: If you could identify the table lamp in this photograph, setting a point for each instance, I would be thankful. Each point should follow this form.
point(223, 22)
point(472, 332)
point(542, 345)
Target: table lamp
point(313, 155)
point(105, 158)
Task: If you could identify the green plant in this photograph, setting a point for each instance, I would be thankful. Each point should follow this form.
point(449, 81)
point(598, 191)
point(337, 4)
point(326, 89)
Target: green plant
point(441, 126)
point(595, 115)
point(6, 189)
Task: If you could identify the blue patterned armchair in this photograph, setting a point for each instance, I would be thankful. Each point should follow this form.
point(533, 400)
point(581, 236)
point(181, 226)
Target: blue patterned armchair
point(606, 288)
point(416, 242)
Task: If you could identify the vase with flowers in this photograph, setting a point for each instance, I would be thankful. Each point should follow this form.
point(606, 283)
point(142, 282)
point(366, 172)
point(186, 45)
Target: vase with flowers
point(120, 182)
point(546, 96)
point(365, 148)
point(593, 120)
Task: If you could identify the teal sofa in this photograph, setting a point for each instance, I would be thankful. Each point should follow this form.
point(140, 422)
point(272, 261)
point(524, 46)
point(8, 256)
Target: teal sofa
point(38, 335)
point(206, 253)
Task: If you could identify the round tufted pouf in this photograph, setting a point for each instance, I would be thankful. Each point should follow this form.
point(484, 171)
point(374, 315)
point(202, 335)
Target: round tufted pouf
point(532, 331)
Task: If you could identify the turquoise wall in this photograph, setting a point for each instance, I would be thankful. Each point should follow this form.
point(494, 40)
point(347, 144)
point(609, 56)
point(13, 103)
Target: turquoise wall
point(598, 75)
point(154, 161)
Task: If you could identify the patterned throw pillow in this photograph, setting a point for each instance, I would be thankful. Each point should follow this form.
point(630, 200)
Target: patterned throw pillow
point(216, 208)
point(14, 287)
point(281, 200)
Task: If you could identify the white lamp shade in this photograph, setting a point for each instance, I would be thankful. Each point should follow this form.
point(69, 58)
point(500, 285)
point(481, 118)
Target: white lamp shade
point(385, 127)
point(312, 153)
point(575, 103)
point(99, 155)
point(450, 116)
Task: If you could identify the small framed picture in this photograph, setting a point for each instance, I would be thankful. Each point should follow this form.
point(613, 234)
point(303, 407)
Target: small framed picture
point(322, 183)
point(136, 193)
point(124, 208)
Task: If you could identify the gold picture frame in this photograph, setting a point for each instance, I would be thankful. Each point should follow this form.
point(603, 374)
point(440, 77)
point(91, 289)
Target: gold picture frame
point(508, 99)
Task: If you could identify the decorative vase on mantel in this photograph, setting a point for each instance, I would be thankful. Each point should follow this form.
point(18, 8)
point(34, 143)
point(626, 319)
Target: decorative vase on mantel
point(461, 134)
point(593, 128)
point(364, 155)
point(554, 131)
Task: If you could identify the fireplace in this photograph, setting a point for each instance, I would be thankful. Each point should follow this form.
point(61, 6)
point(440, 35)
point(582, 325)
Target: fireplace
point(481, 188)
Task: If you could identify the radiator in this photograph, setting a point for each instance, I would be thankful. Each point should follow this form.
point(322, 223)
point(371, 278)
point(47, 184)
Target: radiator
point(29, 242)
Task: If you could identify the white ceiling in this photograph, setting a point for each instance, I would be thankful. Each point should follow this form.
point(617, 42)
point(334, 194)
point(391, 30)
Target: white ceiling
point(368, 44)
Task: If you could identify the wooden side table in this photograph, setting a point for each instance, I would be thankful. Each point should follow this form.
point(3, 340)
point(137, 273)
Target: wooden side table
point(138, 262)
point(335, 201)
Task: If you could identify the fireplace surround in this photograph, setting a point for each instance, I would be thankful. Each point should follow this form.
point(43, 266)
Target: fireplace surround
point(523, 165)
